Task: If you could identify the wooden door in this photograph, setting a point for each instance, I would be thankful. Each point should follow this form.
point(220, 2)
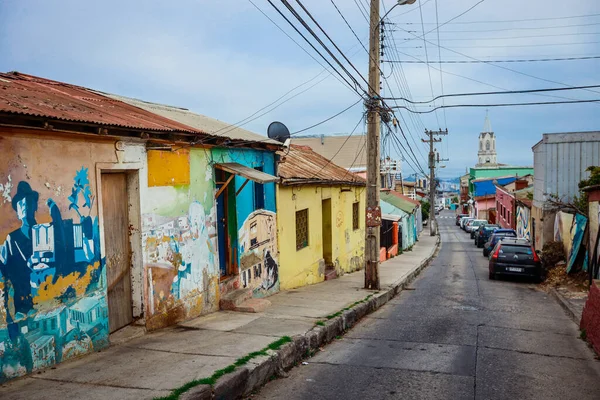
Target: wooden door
point(117, 255)
point(327, 231)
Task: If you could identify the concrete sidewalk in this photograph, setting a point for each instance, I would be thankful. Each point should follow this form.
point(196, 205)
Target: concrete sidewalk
point(157, 363)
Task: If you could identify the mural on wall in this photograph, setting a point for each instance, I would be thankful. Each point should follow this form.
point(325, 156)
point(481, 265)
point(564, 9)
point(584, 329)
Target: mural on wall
point(179, 237)
point(259, 269)
point(52, 281)
point(523, 228)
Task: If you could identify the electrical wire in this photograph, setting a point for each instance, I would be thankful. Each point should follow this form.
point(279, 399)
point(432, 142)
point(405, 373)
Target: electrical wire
point(427, 58)
point(520, 28)
point(314, 48)
point(495, 93)
point(519, 20)
point(349, 26)
point(512, 37)
point(451, 19)
point(505, 46)
point(439, 58)
point(498, 61)
point(502, 105)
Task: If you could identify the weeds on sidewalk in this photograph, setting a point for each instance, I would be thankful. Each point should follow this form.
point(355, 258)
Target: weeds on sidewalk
point(337, 314)
point(276, 345)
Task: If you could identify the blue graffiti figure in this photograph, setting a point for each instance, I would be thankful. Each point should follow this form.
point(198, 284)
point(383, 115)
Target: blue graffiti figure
point(16, 252)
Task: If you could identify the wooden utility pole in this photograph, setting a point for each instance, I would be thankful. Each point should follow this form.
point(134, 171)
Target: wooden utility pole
point(432, 188)
point(373, 212)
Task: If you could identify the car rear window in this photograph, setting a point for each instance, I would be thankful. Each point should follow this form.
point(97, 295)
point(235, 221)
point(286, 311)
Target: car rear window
point(490, 228)
point(512, 249)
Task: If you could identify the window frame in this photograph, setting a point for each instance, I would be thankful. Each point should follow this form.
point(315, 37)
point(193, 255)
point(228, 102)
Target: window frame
point(356, 218)
point(301, 244)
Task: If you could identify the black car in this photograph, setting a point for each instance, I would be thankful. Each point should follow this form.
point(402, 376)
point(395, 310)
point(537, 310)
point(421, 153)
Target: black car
point(483, 233)
point(515, 257)
point(497, 235)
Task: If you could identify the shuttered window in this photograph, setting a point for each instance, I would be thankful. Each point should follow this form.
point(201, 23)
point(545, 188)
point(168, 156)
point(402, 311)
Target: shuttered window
point(355, 217)
point(301, 229)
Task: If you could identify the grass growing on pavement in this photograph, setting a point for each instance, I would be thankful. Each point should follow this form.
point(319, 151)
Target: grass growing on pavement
point(337, 314)
point(276, 345)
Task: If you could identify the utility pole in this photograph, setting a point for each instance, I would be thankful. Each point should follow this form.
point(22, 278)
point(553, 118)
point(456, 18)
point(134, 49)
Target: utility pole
point(373, 212)
point(432, 162)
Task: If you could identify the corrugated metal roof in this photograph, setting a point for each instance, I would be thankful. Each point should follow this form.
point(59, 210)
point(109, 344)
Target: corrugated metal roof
point(202, 122)
point(302, 165)
point(346, 151)
point(30, 95)
point(398, 200)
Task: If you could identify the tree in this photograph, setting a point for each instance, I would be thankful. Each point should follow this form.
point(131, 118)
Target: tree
point(425, 209)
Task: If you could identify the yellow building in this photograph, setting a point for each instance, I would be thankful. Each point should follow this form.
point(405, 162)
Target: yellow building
point(320, 219)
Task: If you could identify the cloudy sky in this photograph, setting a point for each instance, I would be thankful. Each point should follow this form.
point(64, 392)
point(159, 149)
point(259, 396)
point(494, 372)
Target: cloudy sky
point(226, 59)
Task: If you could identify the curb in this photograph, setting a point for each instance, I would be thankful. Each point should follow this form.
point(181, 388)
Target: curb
point(244, 380)
point(564, 303)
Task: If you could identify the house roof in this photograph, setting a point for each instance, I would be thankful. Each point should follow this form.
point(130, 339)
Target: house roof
point(23, 94)
point(198, 121)
point(302, 165)
point(487, 186)
point(398, 200)
point(349, 152)
point(391, 210)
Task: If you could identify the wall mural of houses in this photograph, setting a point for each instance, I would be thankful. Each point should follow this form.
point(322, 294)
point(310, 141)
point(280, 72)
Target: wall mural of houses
point(52, 282)
point(179, 237)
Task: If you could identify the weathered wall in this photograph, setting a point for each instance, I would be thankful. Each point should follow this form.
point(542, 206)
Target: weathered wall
point(306, 266)
point(524, 222)
point(53, 283)
point(256, 227)
point(179, 237)
point(590, 319)
point(482, 206)
point(505, 208)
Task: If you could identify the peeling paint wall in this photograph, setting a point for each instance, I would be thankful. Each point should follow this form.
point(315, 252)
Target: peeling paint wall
point(256, 239)
point(306, 266)
point(179, 237)
point(52, 280)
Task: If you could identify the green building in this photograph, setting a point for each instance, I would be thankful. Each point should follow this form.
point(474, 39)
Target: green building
point(497, 171)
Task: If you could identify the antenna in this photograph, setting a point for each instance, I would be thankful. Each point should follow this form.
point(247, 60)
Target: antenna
point(278, 131)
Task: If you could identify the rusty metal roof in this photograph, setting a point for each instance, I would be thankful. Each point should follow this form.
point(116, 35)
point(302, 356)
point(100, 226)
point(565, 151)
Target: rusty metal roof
point(301, 165)
point(30, 95)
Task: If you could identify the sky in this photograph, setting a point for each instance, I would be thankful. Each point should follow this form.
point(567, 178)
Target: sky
point(226, 59)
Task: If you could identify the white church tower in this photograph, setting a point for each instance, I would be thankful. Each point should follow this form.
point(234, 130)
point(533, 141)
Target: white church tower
point(487, 146)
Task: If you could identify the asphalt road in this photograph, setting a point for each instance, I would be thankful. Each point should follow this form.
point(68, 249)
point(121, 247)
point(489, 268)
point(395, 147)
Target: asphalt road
point(453, 335)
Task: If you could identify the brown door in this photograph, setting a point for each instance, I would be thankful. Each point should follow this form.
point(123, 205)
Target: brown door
point(116, 240)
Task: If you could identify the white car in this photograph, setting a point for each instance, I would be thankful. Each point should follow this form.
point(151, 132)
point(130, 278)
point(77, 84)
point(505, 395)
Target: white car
point(475, 225)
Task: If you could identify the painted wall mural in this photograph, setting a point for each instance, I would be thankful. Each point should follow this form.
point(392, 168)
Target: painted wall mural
point(179, 238)
point(52, 281)
point(523, 225)
point(259, 269)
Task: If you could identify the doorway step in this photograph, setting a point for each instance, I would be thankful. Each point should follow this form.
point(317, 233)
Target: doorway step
point(241, 300)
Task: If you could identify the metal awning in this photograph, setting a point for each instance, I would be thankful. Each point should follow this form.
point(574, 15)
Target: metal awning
point(246, 172)
point(250, 174)
point(390, 217)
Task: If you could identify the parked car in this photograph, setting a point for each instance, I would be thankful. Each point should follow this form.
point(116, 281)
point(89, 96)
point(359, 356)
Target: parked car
point(458, 217)
point(464, 221)
point(498, 235)
point(515, 257)
point(483, 234)
point(475, 225)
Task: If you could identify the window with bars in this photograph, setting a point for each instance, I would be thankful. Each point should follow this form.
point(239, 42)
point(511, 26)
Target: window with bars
point(355, 215)
point(301, 229)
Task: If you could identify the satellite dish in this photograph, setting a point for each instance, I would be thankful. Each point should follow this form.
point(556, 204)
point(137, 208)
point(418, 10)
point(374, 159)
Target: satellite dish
point(278, 131)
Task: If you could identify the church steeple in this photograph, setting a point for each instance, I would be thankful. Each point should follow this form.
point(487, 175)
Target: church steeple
point(487, 145)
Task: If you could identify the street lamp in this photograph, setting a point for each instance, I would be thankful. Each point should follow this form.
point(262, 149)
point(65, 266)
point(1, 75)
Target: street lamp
point(399, 3)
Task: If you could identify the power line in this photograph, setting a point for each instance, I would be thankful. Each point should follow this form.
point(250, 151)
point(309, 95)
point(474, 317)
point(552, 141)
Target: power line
point(500, 66)
point(518, 20)
point(314, 48)
point(439, 58)
point(451, 19)
point(427, 58)
point(349, 26)
point(495, 93)
point(497, 61)
point(327, 119)
point(512, 37)
point(501, 105)
point(289, 6)
point(519, 28)
point(505, 46)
